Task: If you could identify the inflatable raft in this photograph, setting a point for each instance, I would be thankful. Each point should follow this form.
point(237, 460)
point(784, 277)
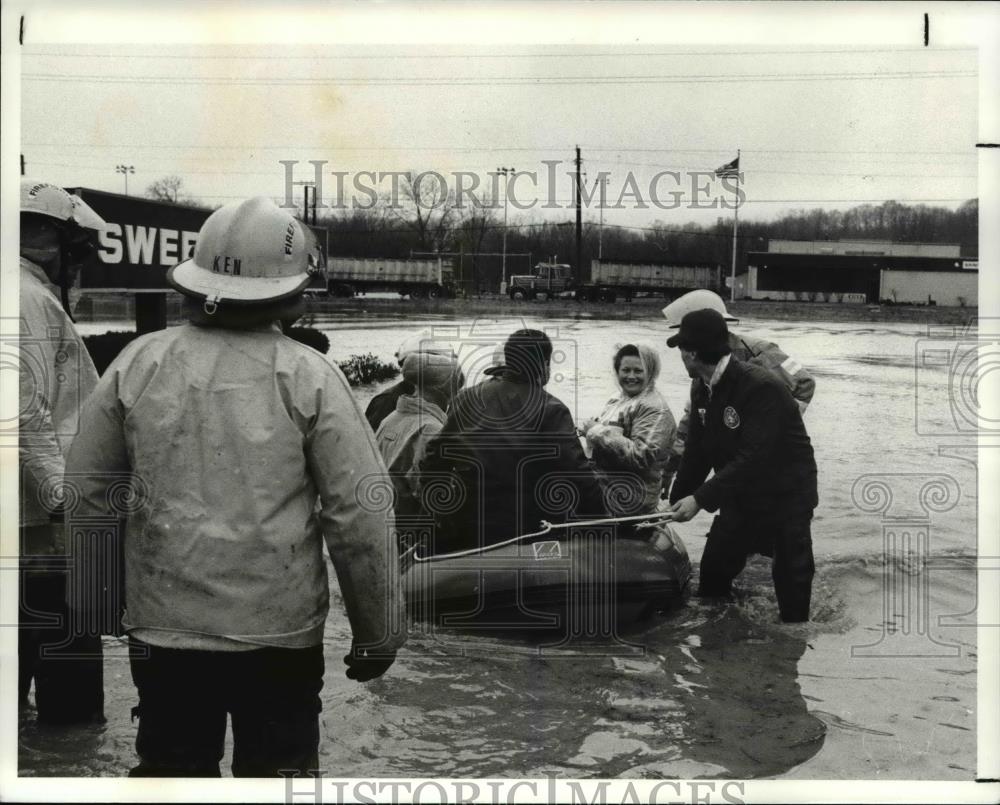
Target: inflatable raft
point(550, 580)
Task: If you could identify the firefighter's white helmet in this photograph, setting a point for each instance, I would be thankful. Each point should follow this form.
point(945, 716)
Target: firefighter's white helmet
point(42, 198)
point(695, 300)
point(248, 252)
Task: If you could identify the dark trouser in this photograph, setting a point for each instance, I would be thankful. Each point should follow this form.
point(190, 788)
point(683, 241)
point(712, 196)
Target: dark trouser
point(66, 666)
point(785, 537)
point(184, 696)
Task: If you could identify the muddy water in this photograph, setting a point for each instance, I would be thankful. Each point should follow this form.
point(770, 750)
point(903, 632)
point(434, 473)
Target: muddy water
point(877, 686)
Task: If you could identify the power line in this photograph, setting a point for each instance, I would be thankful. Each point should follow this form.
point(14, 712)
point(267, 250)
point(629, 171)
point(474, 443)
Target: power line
point(847, 200)
point(724, 149)
point(491, 149)
point(879, 160)
point(676, 168)
point(432, 149)
point(755, 170)
point(504, 56)
point(179, 171)
point(496, 80)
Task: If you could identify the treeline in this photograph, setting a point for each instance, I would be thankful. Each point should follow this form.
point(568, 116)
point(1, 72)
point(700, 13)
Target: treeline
point(423, 221)
point(468, 234)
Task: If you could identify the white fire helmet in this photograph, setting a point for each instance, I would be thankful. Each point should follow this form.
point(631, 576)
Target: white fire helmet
point(42, 198)
point(248, 252)
point(695, 300)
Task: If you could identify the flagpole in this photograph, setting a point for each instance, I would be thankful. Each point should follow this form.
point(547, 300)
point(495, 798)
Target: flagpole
point(736, 219)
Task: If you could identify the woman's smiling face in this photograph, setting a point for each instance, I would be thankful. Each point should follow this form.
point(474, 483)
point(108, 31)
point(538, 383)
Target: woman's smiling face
point(631, 375)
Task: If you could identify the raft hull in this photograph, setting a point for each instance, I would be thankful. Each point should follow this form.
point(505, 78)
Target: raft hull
point(551, 584)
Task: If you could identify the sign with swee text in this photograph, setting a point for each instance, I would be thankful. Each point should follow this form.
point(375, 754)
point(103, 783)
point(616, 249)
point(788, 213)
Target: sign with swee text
point(143, 239)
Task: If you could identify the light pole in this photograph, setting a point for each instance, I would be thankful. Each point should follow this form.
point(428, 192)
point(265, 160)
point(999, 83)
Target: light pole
point(125, 170)
point(505, 172)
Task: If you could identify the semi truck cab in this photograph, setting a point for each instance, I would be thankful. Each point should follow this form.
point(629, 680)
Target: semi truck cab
point(548, 280)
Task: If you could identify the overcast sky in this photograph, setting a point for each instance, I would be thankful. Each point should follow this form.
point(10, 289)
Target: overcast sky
point(817, 125)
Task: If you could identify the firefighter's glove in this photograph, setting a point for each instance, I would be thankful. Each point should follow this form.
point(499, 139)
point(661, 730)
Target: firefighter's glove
point(363, 665)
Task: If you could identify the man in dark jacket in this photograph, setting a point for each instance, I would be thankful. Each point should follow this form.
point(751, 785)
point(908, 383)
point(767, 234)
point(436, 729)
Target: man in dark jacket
point(747, 427)
point(510, 455)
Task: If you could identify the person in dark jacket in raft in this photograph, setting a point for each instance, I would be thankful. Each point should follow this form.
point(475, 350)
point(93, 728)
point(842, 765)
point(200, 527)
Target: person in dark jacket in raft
point(510, 452)
point(747, 427)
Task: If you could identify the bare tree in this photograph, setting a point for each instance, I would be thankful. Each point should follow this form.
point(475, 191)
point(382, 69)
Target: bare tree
point(166, 189)
point(476, 219)
point(427, 206)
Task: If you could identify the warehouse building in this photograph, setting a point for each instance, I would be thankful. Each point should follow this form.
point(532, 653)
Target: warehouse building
point(861, 272)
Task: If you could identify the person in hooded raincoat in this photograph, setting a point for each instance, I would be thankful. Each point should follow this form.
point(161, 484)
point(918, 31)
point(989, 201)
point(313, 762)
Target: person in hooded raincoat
point(56, 376)
point(403, 435)
point(630, 440)
point(384, 403)
point(246, 451)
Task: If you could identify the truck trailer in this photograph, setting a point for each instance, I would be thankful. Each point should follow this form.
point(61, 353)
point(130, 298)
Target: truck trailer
point(611, 280)
point(348, 276)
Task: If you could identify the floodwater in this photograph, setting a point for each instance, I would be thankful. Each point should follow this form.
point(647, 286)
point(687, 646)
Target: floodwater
point(880, 685)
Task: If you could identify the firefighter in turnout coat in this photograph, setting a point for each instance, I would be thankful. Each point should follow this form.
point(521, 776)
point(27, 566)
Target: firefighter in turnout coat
point(247, 452)
point(56, 375)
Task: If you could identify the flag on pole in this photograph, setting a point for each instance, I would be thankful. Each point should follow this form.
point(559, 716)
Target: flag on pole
point(729, 169)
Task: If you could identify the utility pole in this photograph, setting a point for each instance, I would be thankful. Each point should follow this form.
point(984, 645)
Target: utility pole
point(603, 180)
point(579, 220)
point(22, 155)
point(306, 206)
point(505, 172)
point(125, 170)
point(309, 205)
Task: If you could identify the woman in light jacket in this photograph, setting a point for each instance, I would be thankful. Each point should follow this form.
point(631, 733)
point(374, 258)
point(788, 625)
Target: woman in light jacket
point(630, 440)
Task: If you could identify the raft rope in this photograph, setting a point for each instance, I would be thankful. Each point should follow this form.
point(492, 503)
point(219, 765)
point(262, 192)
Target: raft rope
point(651, 520)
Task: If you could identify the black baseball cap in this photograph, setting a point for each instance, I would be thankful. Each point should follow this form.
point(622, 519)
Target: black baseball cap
point(701, 330)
